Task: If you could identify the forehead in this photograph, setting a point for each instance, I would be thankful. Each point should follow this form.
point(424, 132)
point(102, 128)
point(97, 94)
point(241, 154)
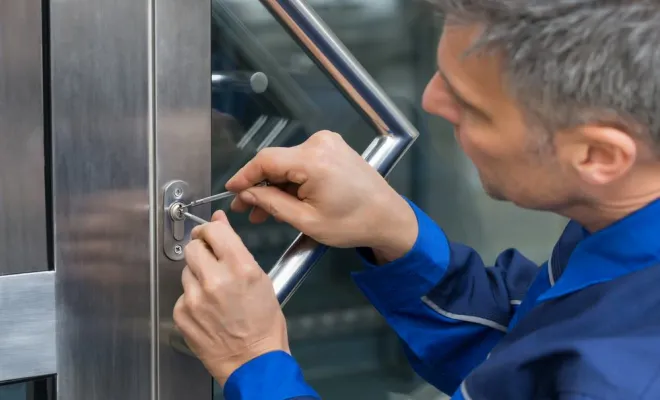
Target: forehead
point(477, 76)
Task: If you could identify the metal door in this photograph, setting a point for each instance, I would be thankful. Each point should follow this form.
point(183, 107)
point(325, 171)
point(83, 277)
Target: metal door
point(103, 106)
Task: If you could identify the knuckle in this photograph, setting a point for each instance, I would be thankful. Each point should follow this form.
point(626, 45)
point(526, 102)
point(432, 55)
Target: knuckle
point(271, 209)
point(179, 312)
point(327, 138)
point(203, 231)
point(250, 273)
point(253, 271)
point(192, 249)
point(213, 285)
point(266, 154)
point(324, 149)
point(191, 301)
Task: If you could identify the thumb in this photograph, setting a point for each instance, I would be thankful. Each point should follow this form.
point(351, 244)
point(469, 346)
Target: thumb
point(220, 216)
point(279, 204)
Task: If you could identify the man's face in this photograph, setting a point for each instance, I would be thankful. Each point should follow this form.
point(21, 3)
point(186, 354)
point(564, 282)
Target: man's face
point(513, 162)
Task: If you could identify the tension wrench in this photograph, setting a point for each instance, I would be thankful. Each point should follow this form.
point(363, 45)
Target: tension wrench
point(195, 218)
point(216, 197)
point(209, 199)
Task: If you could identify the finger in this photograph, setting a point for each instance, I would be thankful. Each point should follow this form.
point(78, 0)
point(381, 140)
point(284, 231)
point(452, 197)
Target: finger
point(190, 284)
point(280, 204)
point(292, 189)
point(239, 206)
point(180, 314)
point(274, 164)
point(219, 216)
point(258, 215)
point(201, 259)
point(194, 233)
point(185, 324)
point(221, 238)
point(227, 247)
point(193, 298)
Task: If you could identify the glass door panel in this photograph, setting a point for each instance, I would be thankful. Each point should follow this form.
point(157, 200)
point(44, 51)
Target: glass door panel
point(267, 91)
point(37, 389)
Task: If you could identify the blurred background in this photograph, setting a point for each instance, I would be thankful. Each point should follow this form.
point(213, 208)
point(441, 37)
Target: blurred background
point(346, 350)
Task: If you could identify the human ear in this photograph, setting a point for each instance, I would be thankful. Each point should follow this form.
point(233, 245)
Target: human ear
point(600, 154)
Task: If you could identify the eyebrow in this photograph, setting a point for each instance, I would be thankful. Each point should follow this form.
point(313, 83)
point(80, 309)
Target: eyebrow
point(459, 98)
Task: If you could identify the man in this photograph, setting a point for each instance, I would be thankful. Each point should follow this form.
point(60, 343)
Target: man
point(557, 103)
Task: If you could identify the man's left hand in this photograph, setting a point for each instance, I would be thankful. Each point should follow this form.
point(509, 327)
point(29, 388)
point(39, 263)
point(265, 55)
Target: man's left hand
point(228, 313)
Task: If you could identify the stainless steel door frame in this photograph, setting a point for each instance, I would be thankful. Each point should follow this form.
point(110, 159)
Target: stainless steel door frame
point(131, 111)
point(182, 116)
point(101, 68)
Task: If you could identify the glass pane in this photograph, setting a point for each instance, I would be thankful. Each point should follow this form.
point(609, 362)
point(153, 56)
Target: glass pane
point(15, 391)
point(344, 346)
point(38, 389)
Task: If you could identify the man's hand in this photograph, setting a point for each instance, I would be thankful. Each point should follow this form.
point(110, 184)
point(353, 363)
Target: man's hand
point(228, 313)
point(327, 191)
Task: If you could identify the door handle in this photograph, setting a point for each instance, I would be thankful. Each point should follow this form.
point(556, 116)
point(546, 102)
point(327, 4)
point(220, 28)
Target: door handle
point(251, 82)
point(395, 133)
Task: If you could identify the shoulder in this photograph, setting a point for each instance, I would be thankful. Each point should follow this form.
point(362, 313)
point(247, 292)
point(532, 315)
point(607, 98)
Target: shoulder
point(602, 342)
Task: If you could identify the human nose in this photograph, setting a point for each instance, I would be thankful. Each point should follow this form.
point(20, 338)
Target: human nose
point(436, 100)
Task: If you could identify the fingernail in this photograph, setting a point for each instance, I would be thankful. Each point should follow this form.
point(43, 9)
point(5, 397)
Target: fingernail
point(247, 197)
point(219, 216)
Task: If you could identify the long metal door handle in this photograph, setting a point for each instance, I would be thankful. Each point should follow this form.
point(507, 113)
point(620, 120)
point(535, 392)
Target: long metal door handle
point(396, 133)
point(250, 82)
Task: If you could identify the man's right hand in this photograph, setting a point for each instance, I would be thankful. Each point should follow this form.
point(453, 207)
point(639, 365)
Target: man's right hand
point(326, 190)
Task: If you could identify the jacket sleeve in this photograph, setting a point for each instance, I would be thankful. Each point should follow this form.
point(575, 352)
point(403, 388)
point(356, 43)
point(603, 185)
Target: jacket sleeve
point(448, 308)
point(271, 376)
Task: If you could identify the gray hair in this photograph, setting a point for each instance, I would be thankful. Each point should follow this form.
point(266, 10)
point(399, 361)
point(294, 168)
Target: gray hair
point(572, 62)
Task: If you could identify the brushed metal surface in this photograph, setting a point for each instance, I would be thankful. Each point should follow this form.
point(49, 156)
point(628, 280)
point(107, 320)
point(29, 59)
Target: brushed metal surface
point(101, 118)
point(22, 190)
point(27, 325)
point(183, 152)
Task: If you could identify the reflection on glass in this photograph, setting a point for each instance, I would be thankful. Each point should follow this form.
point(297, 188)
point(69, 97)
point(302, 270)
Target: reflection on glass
point(16, 391)
point(38, 389)
point(343, 345)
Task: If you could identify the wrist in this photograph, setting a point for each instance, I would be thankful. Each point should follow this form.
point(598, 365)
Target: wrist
point(221, 370)
point(396, 232)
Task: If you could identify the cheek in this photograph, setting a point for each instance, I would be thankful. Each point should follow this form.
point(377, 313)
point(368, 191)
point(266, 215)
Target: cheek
point(473, 143)
point(484, 143)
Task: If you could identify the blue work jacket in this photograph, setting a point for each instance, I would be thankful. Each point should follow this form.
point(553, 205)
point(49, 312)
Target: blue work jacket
point(585, 325)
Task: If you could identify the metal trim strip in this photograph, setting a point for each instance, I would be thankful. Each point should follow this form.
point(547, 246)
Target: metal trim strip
point(27, 325)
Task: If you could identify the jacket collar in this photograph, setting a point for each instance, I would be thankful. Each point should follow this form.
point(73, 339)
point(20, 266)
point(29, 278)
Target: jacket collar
point(581, 259)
